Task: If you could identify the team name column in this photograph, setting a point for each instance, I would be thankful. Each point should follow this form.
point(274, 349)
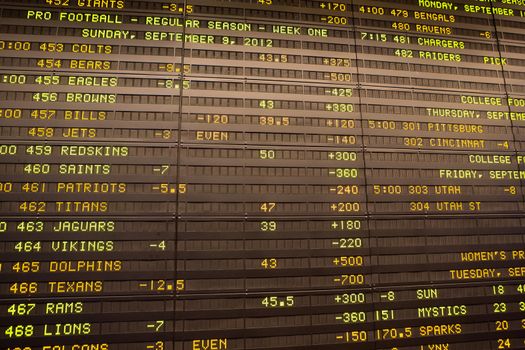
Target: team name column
point(89, 113)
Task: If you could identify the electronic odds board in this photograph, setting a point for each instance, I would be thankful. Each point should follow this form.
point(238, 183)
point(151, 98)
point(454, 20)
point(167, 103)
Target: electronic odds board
point(262, 175)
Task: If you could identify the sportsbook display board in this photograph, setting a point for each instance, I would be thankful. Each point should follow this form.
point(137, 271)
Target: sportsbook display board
point(262, 175)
